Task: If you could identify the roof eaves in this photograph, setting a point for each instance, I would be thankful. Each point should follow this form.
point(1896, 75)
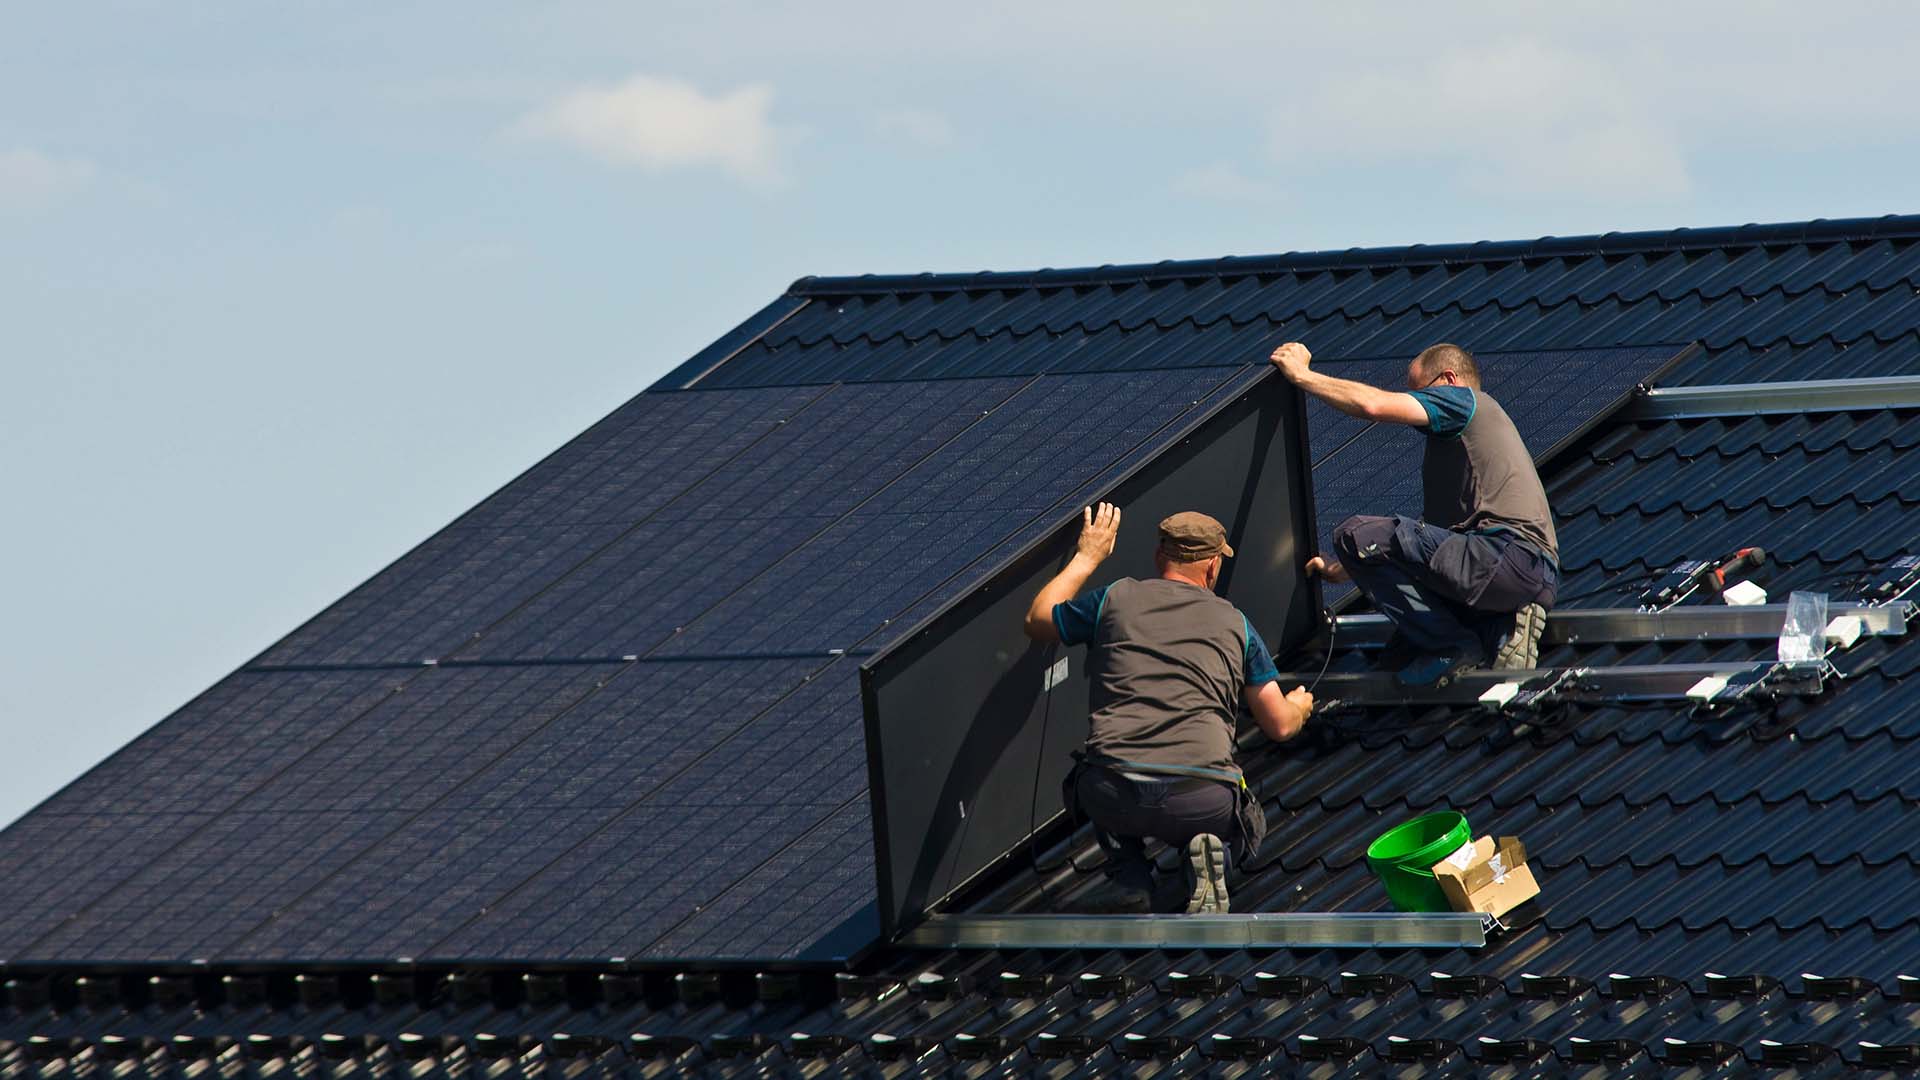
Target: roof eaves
point(1818, 231)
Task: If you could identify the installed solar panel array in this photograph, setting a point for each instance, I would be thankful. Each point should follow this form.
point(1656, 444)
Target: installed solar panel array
point(610, 712)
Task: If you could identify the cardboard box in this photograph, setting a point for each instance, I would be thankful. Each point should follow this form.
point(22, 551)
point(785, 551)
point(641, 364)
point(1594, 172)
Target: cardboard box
point(1489, 877)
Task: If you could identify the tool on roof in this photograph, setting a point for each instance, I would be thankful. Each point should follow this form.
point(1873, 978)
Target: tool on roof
point(1713, 576)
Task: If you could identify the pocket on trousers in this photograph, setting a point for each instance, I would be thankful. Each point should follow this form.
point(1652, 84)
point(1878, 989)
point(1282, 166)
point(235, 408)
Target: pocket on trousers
point(1465, 565)
point(1519, 578)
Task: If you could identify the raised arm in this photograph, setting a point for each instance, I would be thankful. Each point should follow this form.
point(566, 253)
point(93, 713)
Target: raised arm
point(1359, 399)
point(1098, 529)
point(1280, 715)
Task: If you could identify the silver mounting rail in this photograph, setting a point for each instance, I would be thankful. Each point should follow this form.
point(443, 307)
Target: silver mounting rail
point(1320, 930)
point(1774, 398)
point(1701, 622)
point(1629, 682)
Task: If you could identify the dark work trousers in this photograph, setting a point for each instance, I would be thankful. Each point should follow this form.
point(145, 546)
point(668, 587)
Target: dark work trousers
point(1172, 810)
point(1451, 593)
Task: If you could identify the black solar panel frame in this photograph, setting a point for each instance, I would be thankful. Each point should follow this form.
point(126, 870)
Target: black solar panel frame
point(897, 910)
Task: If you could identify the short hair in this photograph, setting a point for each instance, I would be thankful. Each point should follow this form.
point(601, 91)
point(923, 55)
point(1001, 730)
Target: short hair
point(1437, 358)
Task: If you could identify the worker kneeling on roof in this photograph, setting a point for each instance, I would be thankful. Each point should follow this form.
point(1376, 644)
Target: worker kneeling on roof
point(1169, 664)
point(1471, 581)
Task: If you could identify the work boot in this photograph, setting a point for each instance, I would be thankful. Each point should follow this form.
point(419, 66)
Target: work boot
point(1519, 648)
point(1207, 875)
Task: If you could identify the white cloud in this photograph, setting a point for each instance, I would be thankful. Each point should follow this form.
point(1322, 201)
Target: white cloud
point(1221, 182)
point(31, 180)
point(920, 127)
point(660, 124)
point(1511, 117)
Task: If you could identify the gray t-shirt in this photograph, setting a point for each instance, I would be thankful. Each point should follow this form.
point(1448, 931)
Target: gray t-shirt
point(1478, 474)
point(1168, 663)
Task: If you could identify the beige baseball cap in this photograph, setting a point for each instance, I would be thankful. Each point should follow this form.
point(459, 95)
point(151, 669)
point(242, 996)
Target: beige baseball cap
point(1191, 536)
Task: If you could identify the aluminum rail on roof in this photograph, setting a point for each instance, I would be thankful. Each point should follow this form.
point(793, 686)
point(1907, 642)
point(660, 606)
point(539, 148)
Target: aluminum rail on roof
point(1325, 930)
point(1772, 399)
point(1628, 682)
point(1699, 623)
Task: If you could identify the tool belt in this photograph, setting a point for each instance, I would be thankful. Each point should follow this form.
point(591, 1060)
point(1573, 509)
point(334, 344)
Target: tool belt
point(1246, 805)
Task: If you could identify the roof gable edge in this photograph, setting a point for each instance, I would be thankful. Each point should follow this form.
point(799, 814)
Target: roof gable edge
point(1818, 231)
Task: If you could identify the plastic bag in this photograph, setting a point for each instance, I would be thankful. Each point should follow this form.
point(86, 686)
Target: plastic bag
point(1804, 636)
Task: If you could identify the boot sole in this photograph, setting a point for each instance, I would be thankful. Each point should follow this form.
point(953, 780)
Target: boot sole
point(1521, 650)
point(1207, 866)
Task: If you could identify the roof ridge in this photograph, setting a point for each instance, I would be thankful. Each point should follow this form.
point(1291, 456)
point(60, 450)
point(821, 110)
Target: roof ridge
point(1819, 230)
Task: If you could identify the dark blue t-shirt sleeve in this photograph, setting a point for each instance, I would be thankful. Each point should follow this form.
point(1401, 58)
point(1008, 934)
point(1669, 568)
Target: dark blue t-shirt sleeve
point(1078, 618)
point(1260, 668)
point(1449, 408)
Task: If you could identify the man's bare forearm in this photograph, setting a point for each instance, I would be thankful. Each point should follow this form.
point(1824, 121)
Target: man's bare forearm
point(1065, 586)
point(1353, 398)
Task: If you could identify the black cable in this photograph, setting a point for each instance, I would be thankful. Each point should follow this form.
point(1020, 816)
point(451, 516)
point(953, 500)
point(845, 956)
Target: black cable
point(1333, 625)
point(1611, 586)
point(1033, 797)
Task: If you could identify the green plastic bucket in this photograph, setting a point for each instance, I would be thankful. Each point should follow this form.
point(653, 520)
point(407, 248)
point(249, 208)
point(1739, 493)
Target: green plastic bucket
point(1403, 857)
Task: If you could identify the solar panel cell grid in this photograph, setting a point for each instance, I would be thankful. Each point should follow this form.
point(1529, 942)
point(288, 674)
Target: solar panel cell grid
point(809, 746)
point(315, 817)
point(442, 594)
point(633, 881)
point(636, 460)
point(422, 744)
point(842, 585)
point(803, 756)
point(779, 908)
point(226, 742)
point(420, 883)
point(854, 441)
point(53, 865)
point(212, 887)
point(441, 868)
point(635, 594)
point(1048, 438)
point(641, 730)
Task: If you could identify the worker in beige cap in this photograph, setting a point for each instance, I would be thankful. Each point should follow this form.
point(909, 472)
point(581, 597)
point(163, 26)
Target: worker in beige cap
point(1169, 665)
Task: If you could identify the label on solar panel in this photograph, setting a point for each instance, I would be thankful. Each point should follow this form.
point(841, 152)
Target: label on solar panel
point(1057, 674)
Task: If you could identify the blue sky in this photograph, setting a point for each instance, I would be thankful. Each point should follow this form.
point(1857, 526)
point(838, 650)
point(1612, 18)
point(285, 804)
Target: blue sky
point(284, 288)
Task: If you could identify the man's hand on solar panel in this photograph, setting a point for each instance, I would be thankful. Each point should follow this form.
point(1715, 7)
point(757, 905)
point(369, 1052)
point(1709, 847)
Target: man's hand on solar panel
point(1327, 568)
point(1358, 399)
point(1099, 529)
point(1292, 360)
